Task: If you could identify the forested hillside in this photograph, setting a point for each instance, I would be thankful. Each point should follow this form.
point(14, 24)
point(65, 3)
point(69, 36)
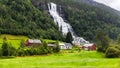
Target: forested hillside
point(31, 18)
point(21, 17)
point(88, 17)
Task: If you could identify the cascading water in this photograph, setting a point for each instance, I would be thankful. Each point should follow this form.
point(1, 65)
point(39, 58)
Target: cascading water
point(65, 27)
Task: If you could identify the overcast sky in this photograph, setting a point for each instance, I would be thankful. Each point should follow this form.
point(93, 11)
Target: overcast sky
point(112, 3)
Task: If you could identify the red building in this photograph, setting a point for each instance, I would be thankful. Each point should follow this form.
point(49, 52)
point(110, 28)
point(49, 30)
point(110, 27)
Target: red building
point(90, 46)
point(33, 42)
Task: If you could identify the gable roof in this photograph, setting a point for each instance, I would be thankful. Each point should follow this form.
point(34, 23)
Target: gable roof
point(87, 45)
point(34, 41)
point(68, 44)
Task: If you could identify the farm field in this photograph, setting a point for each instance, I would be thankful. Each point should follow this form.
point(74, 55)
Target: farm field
point(16, 39)
point(83, 59)
point(13, 39)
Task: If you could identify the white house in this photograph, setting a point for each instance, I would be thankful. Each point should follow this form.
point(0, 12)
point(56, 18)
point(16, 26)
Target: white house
point(68, 45)
point(65, 46)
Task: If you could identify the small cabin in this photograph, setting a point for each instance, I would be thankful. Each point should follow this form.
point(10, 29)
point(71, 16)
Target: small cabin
point(33, 42)
point(90, 46)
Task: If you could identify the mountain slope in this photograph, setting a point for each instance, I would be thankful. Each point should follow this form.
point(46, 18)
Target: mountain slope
point(88, 17)
point(31, 18)
point(21, 17)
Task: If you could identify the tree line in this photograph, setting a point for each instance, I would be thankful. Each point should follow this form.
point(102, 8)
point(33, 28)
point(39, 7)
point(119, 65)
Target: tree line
point(104, 46)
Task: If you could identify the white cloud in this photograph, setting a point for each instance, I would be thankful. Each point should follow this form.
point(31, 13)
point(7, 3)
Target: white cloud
point(112, 3)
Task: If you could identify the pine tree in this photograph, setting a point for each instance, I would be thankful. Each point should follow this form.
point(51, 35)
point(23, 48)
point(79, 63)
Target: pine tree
point(102, 41)
point(118, 39)
point(69, 38)
point(5, 49)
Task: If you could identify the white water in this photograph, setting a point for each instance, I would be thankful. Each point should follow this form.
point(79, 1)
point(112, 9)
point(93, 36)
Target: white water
point(62, 24)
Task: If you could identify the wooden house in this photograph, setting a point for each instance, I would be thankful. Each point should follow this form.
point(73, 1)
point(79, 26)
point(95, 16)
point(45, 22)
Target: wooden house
point(33, 42)
point(90, 46)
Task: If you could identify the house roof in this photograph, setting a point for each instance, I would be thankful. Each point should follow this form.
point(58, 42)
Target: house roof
point(51, 45)
point(68, 44)
point(87, 45)
point(34, 41)
point(62, 44)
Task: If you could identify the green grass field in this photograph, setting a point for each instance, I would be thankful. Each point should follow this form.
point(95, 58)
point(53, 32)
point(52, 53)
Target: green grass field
point(13, 39)
point(65, 59)
point(83, 59)
point(16, 39)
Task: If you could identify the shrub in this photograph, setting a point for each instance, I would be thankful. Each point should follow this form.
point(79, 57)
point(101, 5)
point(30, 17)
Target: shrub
point(0, 52)
point(12, 51)
point(20, 52)
point(56, 49)
point(22, 43)
point(112, 52)
point(42, 50)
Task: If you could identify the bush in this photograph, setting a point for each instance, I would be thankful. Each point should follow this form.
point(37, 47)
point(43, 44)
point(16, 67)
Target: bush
point(42, 50)
point(56, 49)
point(20, 52)
point(112, 52)
point(0, 52)
point(12, 51)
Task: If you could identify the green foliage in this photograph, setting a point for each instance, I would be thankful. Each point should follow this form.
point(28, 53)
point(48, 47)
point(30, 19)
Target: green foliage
point(0, 52)
point(56, 49)
point(69, 38)
point(21, 17)
point(112, 52)
point(88, 17)
point(7, 49)
point(20, 52)
point(22, 43)
point(39, 50)
point(12, 50)
point(118, 39)
point(102, 41)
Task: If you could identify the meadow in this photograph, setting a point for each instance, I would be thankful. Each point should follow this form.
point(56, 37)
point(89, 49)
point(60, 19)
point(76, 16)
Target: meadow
point(14, 40)
point(83, 59)
point(65, 59)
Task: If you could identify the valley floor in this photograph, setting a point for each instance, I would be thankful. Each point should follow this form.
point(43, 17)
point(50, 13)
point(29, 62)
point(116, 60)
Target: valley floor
point(83, 59)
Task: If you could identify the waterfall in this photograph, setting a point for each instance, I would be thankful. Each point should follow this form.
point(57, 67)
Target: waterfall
point(63, 26)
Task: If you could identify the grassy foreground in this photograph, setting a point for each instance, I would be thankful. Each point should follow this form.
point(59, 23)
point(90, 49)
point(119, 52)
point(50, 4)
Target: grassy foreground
point(83, 59)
